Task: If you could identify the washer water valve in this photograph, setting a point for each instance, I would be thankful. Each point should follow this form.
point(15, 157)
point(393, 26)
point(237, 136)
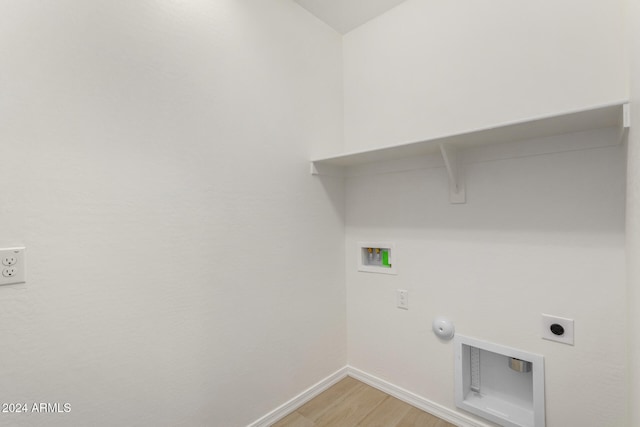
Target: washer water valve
point(376, 257)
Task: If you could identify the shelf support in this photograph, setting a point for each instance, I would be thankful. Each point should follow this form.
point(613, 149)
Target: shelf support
point(325, 170)
point(457, 192)
point(626, 115)
point(626, 121)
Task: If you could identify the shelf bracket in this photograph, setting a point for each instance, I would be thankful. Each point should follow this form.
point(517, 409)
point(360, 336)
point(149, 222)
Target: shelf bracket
point(320, 169)
point(313, 170)
point(626, 121)
point(626, 115)
point(456, 183)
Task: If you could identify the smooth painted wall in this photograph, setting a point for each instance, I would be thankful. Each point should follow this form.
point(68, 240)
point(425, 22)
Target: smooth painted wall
point(429, 68)
point(183, 266)
point(539, 234)
point(633, 213)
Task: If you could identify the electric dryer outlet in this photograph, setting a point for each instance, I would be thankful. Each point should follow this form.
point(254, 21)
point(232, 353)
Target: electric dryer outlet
point(559, 329)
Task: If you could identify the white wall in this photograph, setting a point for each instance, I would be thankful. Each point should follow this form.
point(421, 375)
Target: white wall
point(184, 268)
point(538, 234)
point(633, 212)
point(427, 67)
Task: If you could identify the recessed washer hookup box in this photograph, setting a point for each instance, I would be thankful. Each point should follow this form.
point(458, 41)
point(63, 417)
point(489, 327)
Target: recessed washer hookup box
point(498, 383)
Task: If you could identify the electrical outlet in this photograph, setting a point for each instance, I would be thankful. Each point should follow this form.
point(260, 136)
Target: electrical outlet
point(9, 272)
point(402, 299)
point(557, 329)
point(9, 260)
point(13, 266)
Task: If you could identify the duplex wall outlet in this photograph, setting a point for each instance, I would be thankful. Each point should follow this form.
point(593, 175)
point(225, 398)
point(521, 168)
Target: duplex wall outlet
point(12, 266)
point(557, 329)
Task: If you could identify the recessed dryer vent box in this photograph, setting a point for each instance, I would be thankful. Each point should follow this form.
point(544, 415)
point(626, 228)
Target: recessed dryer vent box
point(498, 383)
point(376, 257)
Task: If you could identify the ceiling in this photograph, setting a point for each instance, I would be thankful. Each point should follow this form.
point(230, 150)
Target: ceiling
point(345, 15)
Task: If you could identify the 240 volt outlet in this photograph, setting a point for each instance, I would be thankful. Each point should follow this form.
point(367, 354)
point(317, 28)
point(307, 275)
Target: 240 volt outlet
point(559, 329)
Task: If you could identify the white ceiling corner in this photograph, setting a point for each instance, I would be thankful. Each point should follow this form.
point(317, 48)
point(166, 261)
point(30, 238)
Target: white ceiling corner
point(345, 15)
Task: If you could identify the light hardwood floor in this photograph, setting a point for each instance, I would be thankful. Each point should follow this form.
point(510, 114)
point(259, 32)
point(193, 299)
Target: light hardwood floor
point(351, 403)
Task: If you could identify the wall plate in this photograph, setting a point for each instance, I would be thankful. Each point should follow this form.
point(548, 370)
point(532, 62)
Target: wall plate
point(559, 329)
point(12, 266)
point(377, 257)
point(402, 299)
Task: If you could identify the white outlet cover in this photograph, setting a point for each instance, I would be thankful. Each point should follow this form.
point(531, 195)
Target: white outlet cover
point(402, 299)
point(567, 324)
point(13, 267)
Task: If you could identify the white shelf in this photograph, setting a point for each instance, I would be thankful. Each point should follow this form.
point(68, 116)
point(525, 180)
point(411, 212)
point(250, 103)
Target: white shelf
point(603, 116)
point(609, 115)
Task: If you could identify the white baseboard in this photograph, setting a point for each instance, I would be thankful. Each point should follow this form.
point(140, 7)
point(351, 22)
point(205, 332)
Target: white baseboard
point(293, 404)
point(412, 399)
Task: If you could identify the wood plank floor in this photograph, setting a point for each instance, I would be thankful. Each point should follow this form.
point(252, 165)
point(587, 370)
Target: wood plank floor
point(351, 403)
